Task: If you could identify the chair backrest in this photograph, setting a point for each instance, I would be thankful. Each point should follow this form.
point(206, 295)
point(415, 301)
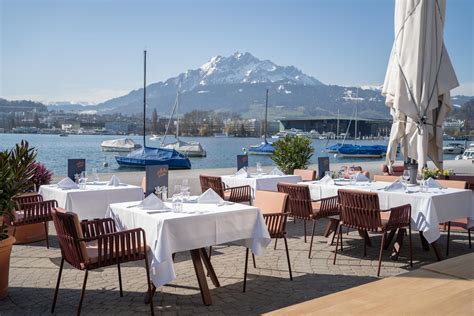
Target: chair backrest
point(271, 202)
point(305, 174)
point(27, 198)
point(299, 199)
point(36, 212)
point(69, 232)
point(396, 170)
point(454, 184)
point(384, 178)
point(212, 182)
point(359, 210)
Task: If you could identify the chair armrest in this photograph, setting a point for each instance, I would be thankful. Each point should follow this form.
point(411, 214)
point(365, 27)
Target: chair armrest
point(97, 227)
point(240, 194)
point(400, 216)
point(276, 222)
point(329, 206)
point(36, 212)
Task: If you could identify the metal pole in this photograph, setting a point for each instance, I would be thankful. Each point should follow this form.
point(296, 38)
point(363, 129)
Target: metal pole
point(144, 97)
point(266, 109)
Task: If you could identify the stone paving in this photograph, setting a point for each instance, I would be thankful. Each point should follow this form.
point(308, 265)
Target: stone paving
point(34, 271)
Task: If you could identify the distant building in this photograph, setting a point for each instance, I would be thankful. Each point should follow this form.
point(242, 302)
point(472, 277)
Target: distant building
point(118, 127)
point(326, 124)
point(452, 126)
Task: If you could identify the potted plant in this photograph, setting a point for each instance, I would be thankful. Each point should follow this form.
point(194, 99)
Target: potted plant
point(16, 171)
point(40, 177)
point(292, 152)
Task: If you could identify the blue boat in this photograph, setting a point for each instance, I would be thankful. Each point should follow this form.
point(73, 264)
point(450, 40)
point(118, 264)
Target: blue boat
point(264, 148)
point(335, 148)
point(149, 156)
point(361, 151)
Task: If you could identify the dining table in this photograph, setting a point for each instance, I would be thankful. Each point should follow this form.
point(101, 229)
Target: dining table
point(259, 181)
point(193, 228)
point(93, 200)
point(430, 208)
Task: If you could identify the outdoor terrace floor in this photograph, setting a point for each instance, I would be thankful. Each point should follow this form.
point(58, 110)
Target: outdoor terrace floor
point(34, 271)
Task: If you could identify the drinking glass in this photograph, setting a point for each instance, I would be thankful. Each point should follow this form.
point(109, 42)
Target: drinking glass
point(177, 189)
point(419, 178)
point(95, 175)
point(259, 168)
point(84, 174)
point(406, 175)
point(82, 183)
point(184, 192)
point(177, 203)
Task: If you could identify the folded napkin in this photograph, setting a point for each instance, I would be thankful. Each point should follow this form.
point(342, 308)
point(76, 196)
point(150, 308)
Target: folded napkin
point(210, 197)
point(242, 173)
point(395, 186)
point(326, 180)
point(360, 177)
point(115, 181)
point(276, 172)
point(152, 202)
point(432, 183)
point(67, 183)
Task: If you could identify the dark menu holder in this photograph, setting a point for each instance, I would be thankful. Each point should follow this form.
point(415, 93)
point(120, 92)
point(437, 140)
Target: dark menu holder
point(75, 166)
point(242, 161)
point(323, 166)
point(156, 176)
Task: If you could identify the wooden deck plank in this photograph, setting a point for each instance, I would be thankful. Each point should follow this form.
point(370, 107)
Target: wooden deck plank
point(461, 267)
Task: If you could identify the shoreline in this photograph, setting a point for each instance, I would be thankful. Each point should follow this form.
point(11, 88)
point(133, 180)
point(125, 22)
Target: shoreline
point(176, 176)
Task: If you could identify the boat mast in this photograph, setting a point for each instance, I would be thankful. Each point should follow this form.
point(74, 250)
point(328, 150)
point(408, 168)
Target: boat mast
point(355, 121)
point(337, 126)
point(266, 111)
point(144, 97)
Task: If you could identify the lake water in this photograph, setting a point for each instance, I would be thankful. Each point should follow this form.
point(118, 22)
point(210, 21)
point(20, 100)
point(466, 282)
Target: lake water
point(54, 150)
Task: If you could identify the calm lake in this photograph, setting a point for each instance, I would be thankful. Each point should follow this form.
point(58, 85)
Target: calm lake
point(54, 150)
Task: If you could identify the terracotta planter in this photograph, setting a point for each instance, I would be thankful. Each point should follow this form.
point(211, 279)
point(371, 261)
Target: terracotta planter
point(29, 233)
point(5, 251)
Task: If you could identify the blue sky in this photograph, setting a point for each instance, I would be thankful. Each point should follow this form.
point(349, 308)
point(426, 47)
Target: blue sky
point(91, 50)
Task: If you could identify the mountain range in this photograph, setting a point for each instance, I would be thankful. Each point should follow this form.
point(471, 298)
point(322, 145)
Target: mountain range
point(237, 83)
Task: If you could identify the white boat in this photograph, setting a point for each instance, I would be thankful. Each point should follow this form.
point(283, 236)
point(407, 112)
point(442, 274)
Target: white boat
point(190, 149)
point(119, 145)
point(468, 154)
point(453, 149)
point(155, 137)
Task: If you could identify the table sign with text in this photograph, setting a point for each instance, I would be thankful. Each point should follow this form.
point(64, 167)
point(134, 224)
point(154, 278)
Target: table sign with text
point(242, 161)
point(323, 166)
point(75, 166)
point(156, 176)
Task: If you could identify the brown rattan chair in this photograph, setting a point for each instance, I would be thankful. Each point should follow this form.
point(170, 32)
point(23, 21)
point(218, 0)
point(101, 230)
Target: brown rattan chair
point(273, 206)
point(361, 211)
point(301, 206)
point(232, 194)
point(305, 174)
point(385, 178)
point(396, 170)
point(458, 223)
point(31, 209)
point(94, 244)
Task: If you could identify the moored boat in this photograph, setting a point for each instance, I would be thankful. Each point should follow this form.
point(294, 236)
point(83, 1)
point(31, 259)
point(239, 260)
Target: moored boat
point(119, 145)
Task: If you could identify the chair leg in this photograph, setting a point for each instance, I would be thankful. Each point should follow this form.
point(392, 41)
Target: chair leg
point(410, 246)
point(210, 252)
point(254, 263)
point(83, 291)
point(365, 246)
point(312, 237)
point(338, 232)
point(469, 236)
point(245, 269)
point(304, 221)
point(275, 247)
point(120, 279)
point(151, 291)
point(288, 258)
point(46, 234)
point(380, 256)
point(57, 285)
point(447, 242)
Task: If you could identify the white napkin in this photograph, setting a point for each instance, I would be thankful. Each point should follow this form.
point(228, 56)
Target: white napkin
point(432, 183)
point(152, 202)
point(360, 177)
point(326, 180)
point(276, 172)
point(67, 183)
point(115, 181)
point(242, 173)
point(395, 186)
point(210, 197)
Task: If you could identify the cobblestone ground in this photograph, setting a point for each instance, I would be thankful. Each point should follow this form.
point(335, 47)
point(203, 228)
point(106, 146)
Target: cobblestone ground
point(34, 270)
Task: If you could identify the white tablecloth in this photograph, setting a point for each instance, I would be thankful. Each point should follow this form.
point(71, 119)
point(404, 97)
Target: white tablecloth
point(94, 200)
point(208, 225)
point(428, 209)
point(265, 182)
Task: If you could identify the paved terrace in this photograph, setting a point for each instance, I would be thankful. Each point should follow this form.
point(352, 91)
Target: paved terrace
point(34, 271)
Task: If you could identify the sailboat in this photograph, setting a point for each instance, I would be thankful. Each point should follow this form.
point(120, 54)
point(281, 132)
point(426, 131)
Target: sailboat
point(265, 148)
point(190, 149)
point(150, 156)
point(357, 151)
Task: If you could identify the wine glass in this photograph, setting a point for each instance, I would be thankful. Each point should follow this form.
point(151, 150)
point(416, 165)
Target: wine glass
point(419, 177)
point(406, 175)
point(95, 175)
point(259, 168)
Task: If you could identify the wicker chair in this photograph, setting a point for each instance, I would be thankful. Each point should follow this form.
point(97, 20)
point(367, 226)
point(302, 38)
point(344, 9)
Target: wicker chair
point(360, 210)
point(396, 170)
point(385, 178)
point(233, 194)
point(305, 174)
point(273, 206)
point(355, 169)
point(31, 209)
point(301, 206)
point(89, 245)
point(458, 223)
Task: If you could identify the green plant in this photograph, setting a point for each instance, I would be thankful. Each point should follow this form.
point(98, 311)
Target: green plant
point(16, 171)
point(40, 177)
point(292, 152)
